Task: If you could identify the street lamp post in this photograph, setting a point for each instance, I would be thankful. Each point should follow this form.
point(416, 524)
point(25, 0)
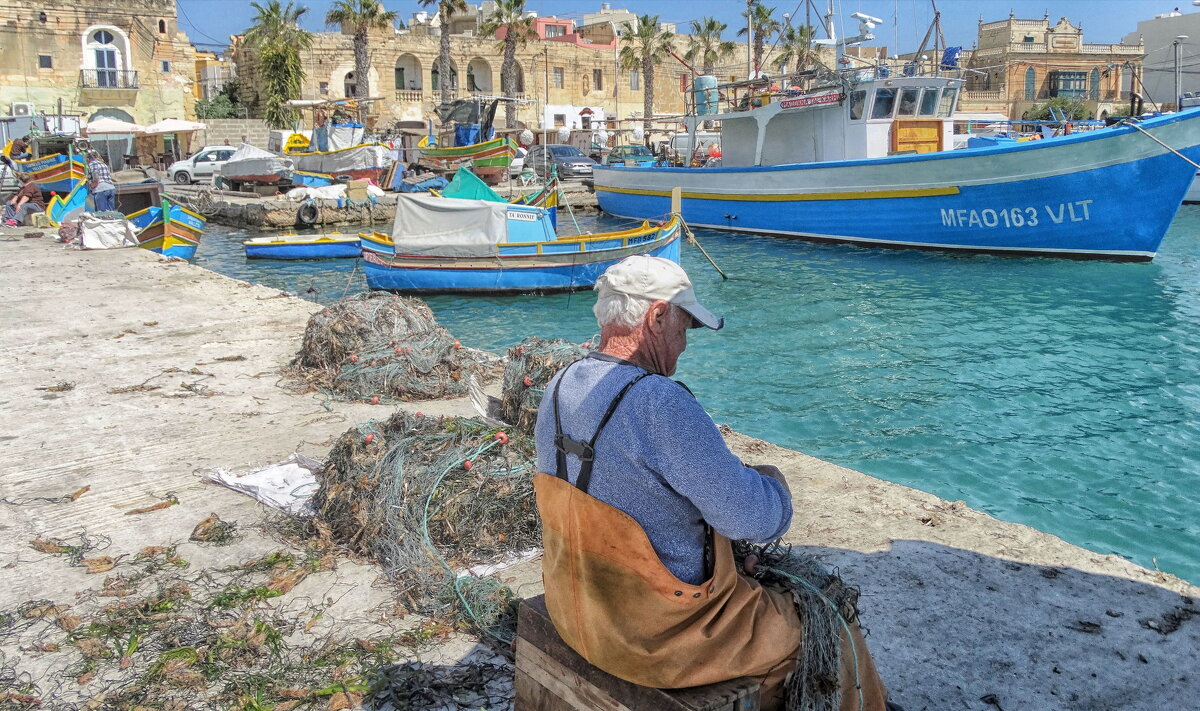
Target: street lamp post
point(1178, 44)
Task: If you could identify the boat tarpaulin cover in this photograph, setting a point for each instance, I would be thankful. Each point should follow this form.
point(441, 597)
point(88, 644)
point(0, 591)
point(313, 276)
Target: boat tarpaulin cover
point(447, 227)
point(468, 186)
point(344, 136)
point(365, 157)
point(248, 160)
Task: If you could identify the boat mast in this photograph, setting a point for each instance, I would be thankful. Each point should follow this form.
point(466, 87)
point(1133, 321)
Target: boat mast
point(750, 38)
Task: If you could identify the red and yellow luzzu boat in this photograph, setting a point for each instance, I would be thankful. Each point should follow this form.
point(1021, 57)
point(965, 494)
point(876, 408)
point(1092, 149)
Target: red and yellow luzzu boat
point(489, 160)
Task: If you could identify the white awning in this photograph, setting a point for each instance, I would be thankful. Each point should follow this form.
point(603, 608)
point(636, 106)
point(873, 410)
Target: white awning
point(449, 227)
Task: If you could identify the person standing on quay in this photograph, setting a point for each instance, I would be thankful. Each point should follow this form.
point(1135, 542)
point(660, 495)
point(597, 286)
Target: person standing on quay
point(100, 183)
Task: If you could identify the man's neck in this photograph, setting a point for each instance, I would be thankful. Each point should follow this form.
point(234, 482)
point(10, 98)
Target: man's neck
point(627, 347)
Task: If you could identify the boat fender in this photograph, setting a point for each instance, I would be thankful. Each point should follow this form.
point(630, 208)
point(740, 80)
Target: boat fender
point(308, 214)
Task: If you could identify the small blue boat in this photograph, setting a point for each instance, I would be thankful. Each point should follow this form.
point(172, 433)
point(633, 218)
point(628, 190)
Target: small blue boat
point(448, 245)
point(335, 246)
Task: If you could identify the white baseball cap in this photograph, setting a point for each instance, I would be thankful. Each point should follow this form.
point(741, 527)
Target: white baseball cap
point(657, 279)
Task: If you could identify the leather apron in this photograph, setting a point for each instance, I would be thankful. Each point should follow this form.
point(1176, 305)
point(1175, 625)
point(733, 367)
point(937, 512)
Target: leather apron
point(614, 602)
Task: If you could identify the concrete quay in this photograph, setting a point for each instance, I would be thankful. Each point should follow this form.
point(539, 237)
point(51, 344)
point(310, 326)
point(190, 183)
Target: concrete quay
point(963, 611)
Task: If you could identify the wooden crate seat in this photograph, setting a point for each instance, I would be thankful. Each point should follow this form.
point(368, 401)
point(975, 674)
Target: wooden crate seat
point(553, 677)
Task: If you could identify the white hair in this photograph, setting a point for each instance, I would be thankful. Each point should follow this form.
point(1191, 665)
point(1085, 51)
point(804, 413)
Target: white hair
point(617, 309)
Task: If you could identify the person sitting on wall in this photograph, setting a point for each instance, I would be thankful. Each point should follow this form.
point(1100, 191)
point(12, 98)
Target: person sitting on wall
point(640, 498)
point(100, 183)
point(27, 201)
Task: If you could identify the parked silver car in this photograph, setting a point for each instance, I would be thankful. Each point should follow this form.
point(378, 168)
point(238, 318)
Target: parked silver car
point(201, 166)
point(571, 162)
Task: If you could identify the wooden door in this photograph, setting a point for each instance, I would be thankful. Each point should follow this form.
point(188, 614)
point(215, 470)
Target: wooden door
point(922, 136)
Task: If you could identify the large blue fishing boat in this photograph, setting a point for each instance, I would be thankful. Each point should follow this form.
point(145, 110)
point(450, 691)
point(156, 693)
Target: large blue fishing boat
point(863, 156)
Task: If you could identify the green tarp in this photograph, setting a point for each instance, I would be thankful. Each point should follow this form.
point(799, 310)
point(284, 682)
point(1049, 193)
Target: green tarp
point(468, 186)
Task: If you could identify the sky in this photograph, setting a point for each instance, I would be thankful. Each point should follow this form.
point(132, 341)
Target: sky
point(905, 21)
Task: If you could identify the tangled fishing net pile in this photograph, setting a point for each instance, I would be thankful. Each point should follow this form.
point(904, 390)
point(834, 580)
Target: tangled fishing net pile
point(529, 368)
point(382, 345)
point(825, 604)
point(428, 497)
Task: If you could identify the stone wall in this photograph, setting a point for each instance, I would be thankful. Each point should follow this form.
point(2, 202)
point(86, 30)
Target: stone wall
point(232, 130)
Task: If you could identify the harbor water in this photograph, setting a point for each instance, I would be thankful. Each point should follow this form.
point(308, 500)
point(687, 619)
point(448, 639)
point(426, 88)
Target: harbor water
point(1059, 394)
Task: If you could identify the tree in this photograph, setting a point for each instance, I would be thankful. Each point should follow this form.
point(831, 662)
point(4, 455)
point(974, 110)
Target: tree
point(795, 45)
point(224, 104)
point(446, 9)
point(645, 47)
point(765, 28)
point(705, 45)
point(518, 29)
point(1072, 108)
point(277, 39)
point(361, 16)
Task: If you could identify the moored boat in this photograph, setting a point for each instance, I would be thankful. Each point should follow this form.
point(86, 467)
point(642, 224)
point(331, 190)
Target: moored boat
point(864, 157)
point(55, 165)
point(334, 246)
point(250, 164)
point(488, 159)
point(169, 228)
point(367, 161)
point(450, 245)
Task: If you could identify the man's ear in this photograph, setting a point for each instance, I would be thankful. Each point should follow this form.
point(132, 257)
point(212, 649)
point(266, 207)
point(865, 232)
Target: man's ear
point(656, 315)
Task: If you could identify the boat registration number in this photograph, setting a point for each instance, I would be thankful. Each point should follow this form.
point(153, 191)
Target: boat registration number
point(1032, 216)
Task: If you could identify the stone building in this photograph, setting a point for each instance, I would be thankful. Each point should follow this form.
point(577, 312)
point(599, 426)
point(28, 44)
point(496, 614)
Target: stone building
point(1020, 63)
point(1159, 36)
point(569, 77)
point(125, 59)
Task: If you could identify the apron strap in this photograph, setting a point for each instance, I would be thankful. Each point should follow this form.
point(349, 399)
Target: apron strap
point(584, 451)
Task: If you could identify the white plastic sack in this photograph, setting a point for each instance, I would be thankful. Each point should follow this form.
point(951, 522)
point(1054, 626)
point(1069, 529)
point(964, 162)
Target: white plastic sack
point(106, 233)
point(328, 192)
point(286, 485)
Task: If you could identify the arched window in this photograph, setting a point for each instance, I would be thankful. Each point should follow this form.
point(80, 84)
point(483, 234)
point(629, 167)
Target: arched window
point(162, 26)
point(1030, 84)
point(1094, 85)
point(106, 58)
point(349, 85)
point(408, 73)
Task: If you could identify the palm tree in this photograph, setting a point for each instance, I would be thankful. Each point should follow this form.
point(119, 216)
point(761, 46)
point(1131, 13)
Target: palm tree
point(645, 47)
point(518, 29)
point(795, 45)
point(446, 9)
point(765, 28)
point(706, 46)
point(362, 16)
point(278, 40)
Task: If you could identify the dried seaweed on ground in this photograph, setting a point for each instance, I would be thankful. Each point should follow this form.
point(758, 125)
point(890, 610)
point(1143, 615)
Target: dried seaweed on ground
point(476, 684)
point(529, 368)
point(826, 606)
point(426, 497)
point(379, 345)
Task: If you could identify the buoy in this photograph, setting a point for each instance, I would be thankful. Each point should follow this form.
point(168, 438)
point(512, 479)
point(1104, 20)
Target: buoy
point(519, 350)
point(528, 382)
point(369, 438)
point(353, 358)
point(467, 464)
point(419, 415)
point(457, 345)
point(375, 400)
point(399, 349)
point(501, 437)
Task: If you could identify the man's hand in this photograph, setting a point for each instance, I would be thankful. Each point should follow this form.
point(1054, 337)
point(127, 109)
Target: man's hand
point(773, 472)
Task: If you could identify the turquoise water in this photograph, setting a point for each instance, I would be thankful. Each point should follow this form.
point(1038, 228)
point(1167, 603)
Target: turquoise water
point(1063, 395)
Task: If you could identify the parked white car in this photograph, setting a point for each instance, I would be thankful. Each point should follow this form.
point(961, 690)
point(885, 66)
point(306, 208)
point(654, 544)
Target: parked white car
point(201, 166)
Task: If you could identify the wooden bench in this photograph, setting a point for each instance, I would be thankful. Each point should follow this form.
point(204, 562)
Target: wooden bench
point(552, 677)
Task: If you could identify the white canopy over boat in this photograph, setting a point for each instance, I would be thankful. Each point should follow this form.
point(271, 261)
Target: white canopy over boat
point(449, 227)
point(248, 161)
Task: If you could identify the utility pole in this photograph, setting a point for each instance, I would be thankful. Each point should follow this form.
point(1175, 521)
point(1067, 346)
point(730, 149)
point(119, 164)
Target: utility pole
point(1178, 74)
point(750, 39)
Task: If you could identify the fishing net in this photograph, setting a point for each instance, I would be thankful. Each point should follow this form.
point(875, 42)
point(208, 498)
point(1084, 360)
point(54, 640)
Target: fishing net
point(382, 345)
point(427, 497)
point(529, 368)
point(826, 606)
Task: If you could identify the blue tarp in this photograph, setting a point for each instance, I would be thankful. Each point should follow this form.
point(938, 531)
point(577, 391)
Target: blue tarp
point(468, 134)
point(950, 57)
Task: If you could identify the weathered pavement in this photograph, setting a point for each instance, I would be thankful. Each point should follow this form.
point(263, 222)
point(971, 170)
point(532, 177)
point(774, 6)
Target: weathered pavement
point(963, 611)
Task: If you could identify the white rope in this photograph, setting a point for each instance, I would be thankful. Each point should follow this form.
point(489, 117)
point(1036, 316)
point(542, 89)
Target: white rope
point(1151, 136)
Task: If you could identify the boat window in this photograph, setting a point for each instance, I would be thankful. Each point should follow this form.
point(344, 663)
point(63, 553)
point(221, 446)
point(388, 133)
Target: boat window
point(885, 101)
point(929, 102)
point(947, 105)
point(908, 102)
point(857, 100)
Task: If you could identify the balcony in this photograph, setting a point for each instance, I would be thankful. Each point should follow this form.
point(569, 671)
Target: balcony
point(410, 95)
point(108, 79)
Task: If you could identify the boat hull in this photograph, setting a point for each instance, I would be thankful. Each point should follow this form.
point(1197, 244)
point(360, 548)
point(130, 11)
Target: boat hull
point(176, 236)
point(364, 162)
point(550, 268)
point(54, 173)
point(327, 249)
point(1108, 194)
point(489, 160)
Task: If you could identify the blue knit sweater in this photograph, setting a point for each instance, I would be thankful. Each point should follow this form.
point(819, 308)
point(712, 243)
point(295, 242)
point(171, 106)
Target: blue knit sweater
point(661, 460)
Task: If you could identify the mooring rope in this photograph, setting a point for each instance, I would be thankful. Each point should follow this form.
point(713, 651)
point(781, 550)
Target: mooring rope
point(1152, 137)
